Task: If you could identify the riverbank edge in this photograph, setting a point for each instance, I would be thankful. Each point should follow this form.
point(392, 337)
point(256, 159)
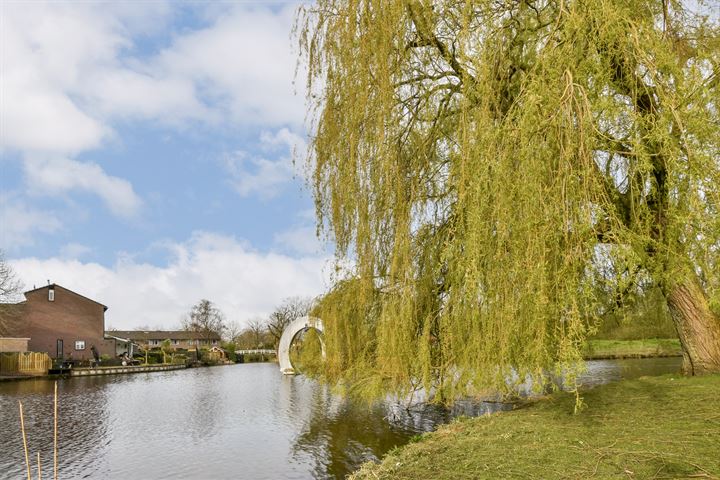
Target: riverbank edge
point(122, 370)
point(94, 371)
point(652, 427)
point(115, 370)
point(16, 378)
point(601, 349)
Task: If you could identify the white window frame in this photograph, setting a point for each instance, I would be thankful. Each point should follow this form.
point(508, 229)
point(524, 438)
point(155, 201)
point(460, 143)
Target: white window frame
point(79, 344)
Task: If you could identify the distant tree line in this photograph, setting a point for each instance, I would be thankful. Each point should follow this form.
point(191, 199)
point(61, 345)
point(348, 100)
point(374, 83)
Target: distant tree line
point(256, 333)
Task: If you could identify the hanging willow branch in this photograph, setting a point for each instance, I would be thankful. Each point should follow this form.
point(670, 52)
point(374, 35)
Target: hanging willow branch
point(482, 162)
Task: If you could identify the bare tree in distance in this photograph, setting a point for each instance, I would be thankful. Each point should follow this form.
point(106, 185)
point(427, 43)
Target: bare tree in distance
point(288, 310)
point(10, 294)
point(232, 331)
point(204, 318)
point(246, 340)
point(10, 286)
point(257, 329)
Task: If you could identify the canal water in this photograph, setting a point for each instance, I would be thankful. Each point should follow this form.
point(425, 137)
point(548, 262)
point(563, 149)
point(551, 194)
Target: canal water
point(243, 421)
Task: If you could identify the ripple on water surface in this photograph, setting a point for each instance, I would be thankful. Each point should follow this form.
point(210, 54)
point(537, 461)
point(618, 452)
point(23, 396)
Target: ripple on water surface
point(245, 421)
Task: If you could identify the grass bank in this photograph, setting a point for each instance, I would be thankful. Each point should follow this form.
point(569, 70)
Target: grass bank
point(650, 428)
point(650, 347)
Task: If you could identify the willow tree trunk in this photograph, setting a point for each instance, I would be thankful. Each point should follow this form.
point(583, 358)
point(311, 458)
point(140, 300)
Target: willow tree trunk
point(697, 326)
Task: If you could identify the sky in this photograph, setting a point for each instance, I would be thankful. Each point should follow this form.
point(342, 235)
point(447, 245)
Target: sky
point(151, 155)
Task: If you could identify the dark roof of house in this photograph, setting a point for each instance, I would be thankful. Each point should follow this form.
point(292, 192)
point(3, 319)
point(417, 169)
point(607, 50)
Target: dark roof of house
point(55, 286)
point(141, 335)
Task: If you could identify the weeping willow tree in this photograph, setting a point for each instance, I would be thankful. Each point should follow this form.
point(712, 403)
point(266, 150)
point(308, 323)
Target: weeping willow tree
point(482, 163)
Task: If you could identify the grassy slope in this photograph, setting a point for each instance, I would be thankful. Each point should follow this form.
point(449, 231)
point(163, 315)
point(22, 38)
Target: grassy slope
point(651, 347)
point(651, 428)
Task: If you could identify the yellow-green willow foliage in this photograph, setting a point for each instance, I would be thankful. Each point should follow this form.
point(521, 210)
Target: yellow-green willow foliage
point(306, 353)
point(483, 163)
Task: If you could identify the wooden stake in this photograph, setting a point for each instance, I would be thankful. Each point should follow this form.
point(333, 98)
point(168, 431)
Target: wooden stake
point(39, 467)
point(22, 427)
point(55, 445)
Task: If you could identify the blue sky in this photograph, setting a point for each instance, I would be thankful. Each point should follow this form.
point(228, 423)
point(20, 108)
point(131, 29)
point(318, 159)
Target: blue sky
point(147, 156)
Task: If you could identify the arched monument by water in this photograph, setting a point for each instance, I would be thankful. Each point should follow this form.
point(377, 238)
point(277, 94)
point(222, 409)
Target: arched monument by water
point(296, 326)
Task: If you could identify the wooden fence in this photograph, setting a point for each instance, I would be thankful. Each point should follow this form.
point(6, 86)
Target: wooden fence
point(27, 363)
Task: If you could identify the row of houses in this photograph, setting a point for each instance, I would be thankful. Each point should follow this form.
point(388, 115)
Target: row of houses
point(65, 324)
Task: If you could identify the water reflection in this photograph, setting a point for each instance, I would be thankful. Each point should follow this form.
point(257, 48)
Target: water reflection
point(340, 434)
point(604, 371)
point(244, 421)
point(90, 432)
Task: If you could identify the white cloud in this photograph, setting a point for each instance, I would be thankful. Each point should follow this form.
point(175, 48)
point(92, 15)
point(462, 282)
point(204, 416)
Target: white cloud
point(47, 50)
point(20, 223)
point(74, 251)
point(283, 139)
point(261, 175)
point(242, 65)
point(242, 282)
point(301, 240)
point(115, 93)
point(39, 119)
point(53, 176)
point(70, 71)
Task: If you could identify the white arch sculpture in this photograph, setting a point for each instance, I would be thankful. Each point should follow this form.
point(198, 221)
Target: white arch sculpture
point(296, 326)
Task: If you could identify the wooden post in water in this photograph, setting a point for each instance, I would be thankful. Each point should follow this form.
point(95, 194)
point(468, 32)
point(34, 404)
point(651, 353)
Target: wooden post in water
point(55, 446)
point(22, 427)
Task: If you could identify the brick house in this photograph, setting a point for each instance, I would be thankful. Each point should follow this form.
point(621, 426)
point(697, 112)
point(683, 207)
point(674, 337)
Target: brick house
point(178, 338)
point(62, 323)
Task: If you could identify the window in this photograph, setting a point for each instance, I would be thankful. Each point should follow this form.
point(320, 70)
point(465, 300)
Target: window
point(154, 342)
point(51, 295)
point(79, 344)
point(175, 342)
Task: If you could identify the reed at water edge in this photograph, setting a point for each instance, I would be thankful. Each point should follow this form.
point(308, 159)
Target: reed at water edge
point(55, 446)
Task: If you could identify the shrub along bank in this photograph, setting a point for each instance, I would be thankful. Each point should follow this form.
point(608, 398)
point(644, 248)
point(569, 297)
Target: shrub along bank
point(650, 428)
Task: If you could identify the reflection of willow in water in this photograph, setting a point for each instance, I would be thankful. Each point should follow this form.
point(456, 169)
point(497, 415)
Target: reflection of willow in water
point(341, 435)
point(343, 432)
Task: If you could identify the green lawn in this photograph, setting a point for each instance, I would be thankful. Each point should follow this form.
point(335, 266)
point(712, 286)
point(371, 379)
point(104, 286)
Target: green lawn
point(652, 428)
point(651, 347)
